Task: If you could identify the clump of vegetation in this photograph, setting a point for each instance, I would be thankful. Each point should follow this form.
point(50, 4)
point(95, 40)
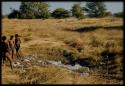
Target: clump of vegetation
point(95, 42)
point(75, 55)
point(31, 10)
point(119, 14)
point(75, 43)
point(77, 11)
point(14, 14)
point(39, 10)
point(95, 9)
point(60, 13)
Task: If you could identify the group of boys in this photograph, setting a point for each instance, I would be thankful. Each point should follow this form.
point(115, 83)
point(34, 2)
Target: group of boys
point(8, 47)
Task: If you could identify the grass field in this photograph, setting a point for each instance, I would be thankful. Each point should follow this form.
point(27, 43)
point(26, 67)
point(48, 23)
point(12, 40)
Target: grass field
point(85, 39)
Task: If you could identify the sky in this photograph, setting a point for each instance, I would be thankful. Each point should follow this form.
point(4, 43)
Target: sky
point(111, 6)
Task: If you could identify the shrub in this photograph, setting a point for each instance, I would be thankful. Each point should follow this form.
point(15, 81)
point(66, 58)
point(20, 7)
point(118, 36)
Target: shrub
point(77, 11)
point(95, 9)
point(119, 14)
point(60, 13)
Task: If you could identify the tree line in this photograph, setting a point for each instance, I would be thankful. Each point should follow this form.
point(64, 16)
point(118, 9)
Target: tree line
point(40, 10)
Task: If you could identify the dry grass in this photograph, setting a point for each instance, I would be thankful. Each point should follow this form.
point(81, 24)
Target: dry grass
point(49, 38)
point(51, 75)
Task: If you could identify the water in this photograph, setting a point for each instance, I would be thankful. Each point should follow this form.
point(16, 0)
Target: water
point(75, 67)
point(34, 61)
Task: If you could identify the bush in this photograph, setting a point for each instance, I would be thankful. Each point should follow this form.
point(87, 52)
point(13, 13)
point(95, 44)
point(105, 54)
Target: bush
point(75, 55)
point(108, 13)
point(77, 11)
point(119, 14)
point(14, 14)
point(60, 13)
point(95, 9)
point(31, 10)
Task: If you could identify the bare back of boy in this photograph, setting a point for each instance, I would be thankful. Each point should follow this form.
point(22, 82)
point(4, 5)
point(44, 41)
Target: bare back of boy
point(6, 53)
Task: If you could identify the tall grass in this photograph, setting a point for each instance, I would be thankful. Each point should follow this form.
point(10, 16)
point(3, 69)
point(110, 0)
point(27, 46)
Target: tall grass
point(50, 38)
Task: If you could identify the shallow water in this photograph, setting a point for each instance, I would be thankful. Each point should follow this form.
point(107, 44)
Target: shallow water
point(75, 67)
point(30, 60)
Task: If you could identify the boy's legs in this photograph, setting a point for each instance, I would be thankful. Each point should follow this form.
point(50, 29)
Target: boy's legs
point(9, 59)
point(3, 58)
point(17, 53)
point(12, 53)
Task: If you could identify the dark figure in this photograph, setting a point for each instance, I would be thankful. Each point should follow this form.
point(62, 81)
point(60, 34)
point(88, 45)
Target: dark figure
point(11, 44)
point(17, 45)
point(6, 51)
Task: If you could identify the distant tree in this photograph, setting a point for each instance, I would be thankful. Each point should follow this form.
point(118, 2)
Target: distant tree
point(77, 11)
point(60, 13)
point(14, 14)
point(108, 13)
point(95, 9)
point(4, 16)
point(33, 10)
point(119, 14)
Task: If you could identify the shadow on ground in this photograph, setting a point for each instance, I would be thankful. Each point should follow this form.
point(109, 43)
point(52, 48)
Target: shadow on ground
point(93, 28)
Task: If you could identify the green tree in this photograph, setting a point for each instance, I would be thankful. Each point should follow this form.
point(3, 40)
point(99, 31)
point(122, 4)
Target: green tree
point(77, 11)
point(33, 10)
point(14, 14)
point(119, 14)
point(108, 13)
point(60, 13)
point(95, 9)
